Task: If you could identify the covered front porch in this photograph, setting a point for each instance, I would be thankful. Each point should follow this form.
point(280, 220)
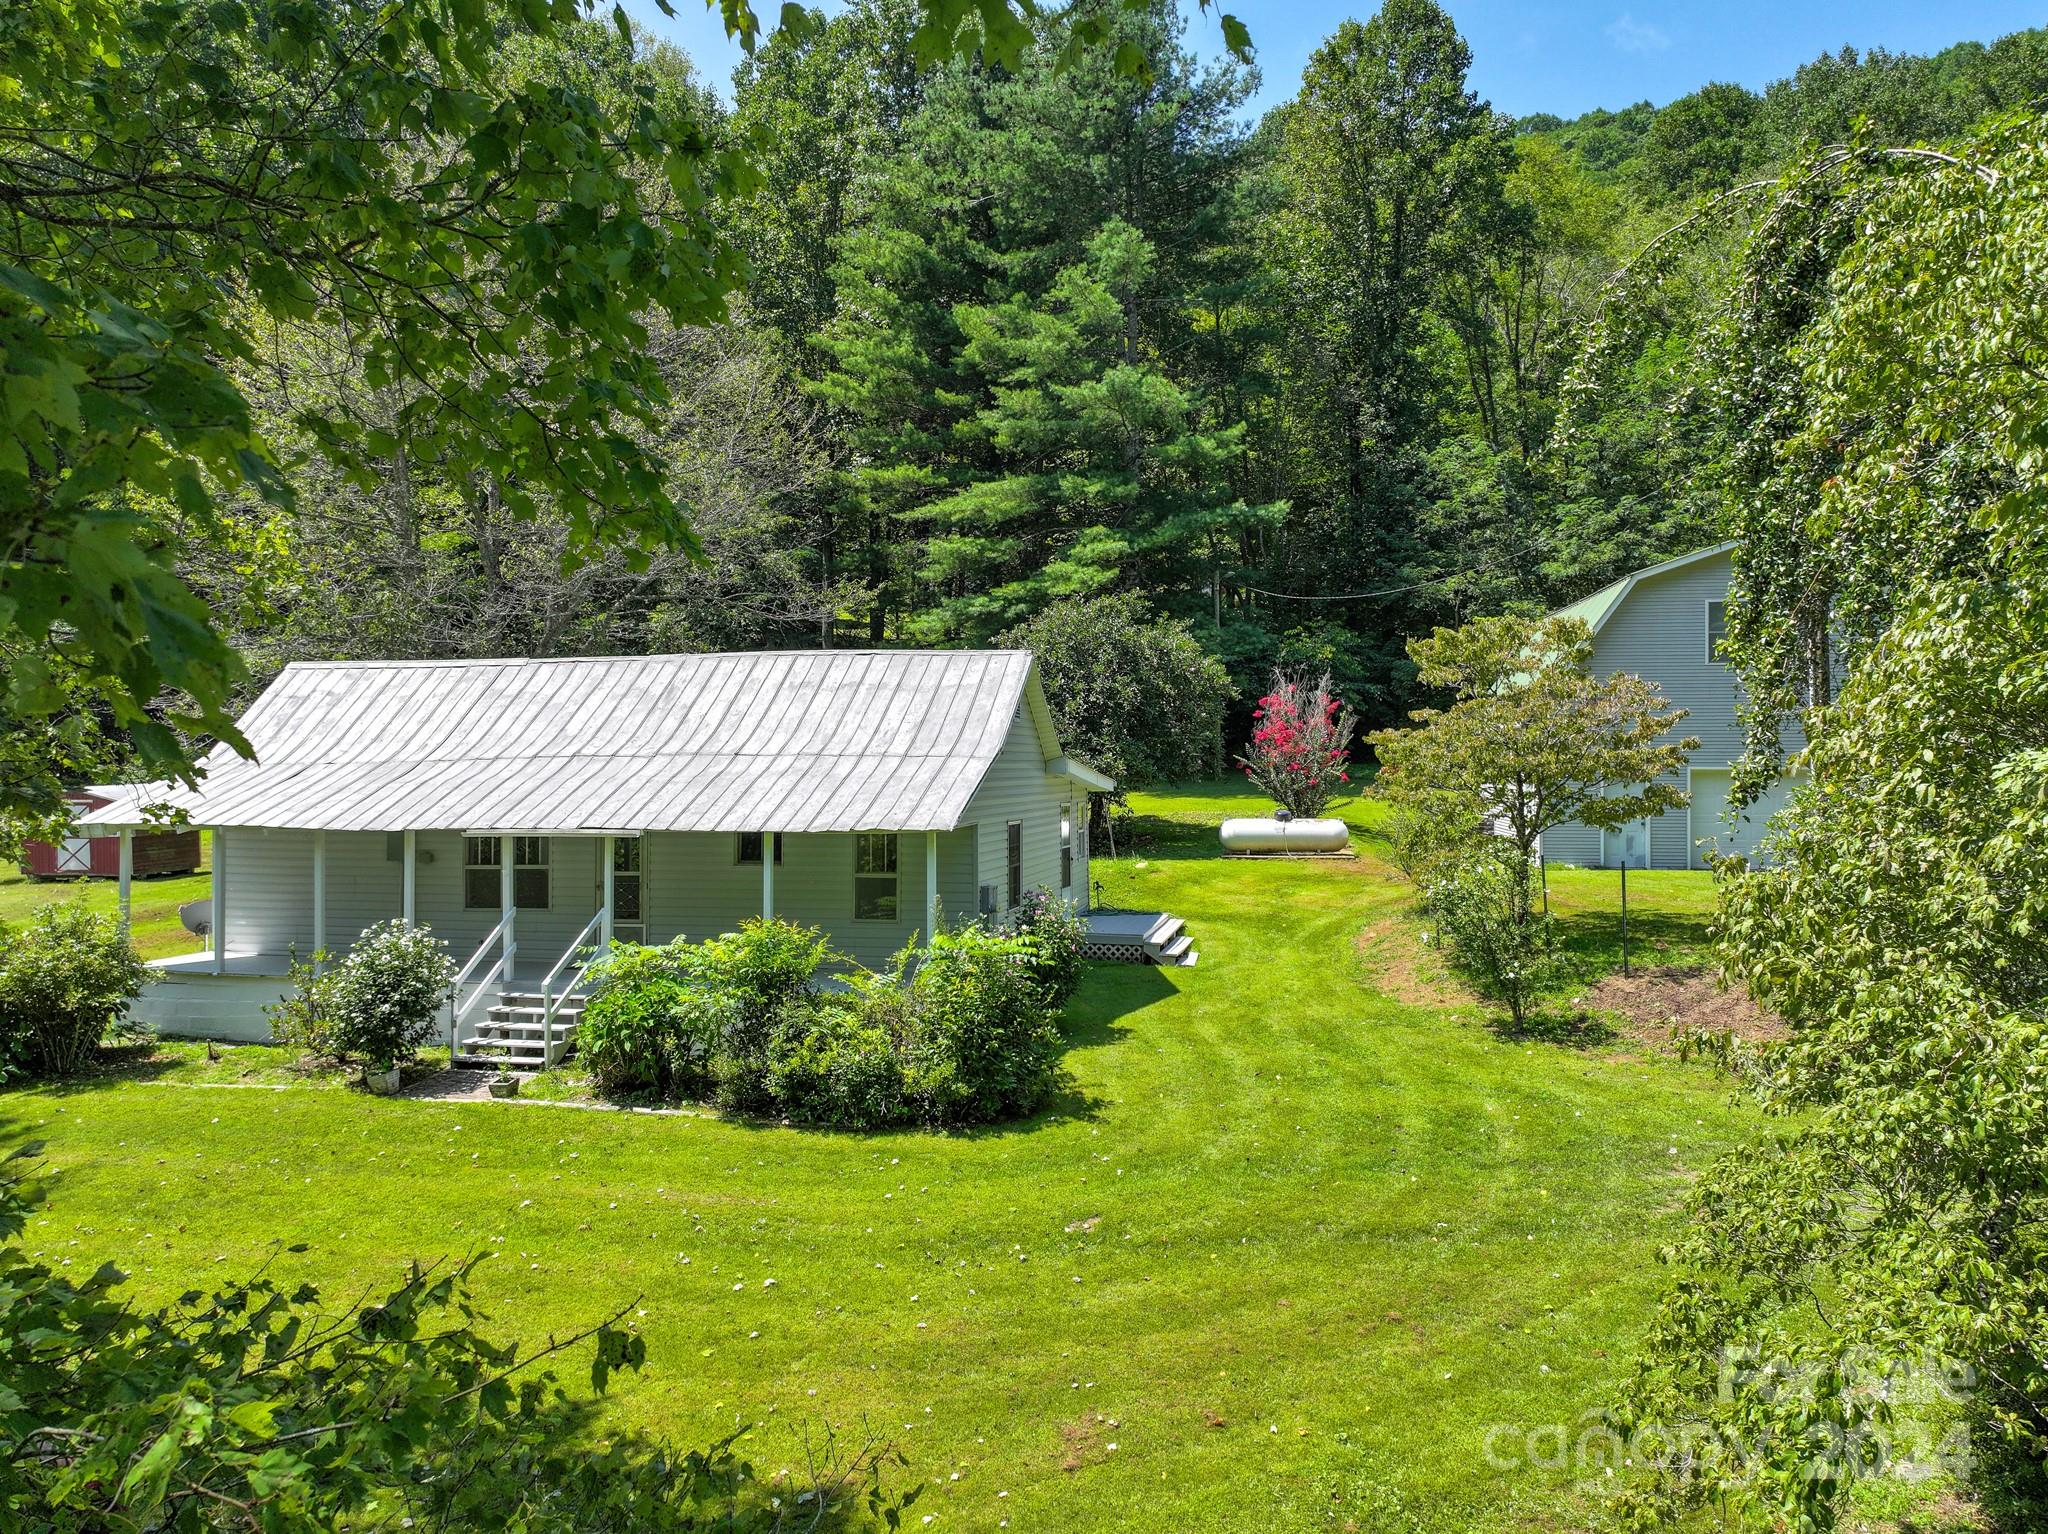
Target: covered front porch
point(521, 911)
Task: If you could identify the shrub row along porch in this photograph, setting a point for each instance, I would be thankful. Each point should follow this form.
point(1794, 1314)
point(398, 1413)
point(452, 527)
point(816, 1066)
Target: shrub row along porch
point(528, 810)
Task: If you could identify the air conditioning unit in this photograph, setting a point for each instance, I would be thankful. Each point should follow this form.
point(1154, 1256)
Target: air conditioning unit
point(985, 901)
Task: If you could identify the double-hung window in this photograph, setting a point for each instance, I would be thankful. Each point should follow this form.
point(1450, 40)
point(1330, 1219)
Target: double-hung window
point(483, 862)
point(1717, 633)
point(874, 876)
point(1016, 865)
point(1066, 850)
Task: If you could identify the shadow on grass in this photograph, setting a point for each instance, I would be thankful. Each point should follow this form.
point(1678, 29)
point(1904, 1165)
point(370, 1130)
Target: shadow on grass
point(1589, 942)
point(136, 1060)
point(1094, 1018)
point(1571, 1027)
point(1165, 838)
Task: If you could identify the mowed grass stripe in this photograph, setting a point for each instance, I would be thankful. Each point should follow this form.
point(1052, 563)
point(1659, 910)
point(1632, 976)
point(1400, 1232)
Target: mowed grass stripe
point(1310, 1205)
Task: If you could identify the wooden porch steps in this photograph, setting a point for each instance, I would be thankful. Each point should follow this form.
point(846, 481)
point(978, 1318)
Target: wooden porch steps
point(515, 1035)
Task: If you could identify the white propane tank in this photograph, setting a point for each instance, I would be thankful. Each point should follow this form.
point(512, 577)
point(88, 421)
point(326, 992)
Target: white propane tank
point(1286, 836)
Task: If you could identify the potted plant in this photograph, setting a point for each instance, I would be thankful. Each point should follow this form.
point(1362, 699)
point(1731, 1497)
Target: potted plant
point(383, 1080)
point(504, 1084)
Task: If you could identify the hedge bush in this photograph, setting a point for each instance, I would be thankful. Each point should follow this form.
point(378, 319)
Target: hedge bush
point(66, 978)
point(651, 1024)
point(984, 1046)
point(960, 1033)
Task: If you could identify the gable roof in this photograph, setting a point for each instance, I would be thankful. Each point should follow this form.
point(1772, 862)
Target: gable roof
point(833, 740)
point(1603, 604)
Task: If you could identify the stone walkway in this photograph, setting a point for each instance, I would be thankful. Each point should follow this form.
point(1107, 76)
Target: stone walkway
point(464, 1086)
point(452, 1086)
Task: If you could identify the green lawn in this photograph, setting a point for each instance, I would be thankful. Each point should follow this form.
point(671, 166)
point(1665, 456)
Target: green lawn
point(1281, 1256)
point(153, 903)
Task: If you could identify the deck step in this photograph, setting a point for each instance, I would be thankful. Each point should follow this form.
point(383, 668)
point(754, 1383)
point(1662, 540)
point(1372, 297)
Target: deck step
point(1175, 952)
point(1163, 931)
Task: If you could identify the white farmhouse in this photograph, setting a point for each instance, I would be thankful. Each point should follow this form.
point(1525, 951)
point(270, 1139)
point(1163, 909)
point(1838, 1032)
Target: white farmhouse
point(528, 809)
point(1664, 624)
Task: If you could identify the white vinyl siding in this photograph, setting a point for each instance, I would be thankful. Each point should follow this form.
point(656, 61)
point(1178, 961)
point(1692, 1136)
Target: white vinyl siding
point(692, 888)
point(1019, 788)
point(695, 889)
point(1661, 632)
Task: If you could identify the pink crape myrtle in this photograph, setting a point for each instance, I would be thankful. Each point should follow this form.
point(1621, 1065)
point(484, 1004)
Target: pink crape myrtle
point(1301, 744)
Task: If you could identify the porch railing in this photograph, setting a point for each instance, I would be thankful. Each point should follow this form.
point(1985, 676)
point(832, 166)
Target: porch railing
point(578, 954)
point(458, 1004)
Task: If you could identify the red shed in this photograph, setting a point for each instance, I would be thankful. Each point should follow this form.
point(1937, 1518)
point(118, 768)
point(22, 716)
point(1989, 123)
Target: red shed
point(99, 857)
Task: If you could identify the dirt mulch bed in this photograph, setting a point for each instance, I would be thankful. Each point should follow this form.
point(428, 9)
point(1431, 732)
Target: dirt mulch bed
point(1402, 969)
point(1658, 1004)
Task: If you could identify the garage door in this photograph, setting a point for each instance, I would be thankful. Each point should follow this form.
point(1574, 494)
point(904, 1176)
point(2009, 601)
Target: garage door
point(1711, 827)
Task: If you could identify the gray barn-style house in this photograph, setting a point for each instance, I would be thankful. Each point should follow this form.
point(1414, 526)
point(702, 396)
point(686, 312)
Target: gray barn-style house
point(1664, 624)
point(526, 810)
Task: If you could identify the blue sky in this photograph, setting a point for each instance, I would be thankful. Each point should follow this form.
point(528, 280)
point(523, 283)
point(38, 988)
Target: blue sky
point(1562, 56)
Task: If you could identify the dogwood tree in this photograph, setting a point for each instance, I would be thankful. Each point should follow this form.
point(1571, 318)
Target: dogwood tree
point(1531, 740)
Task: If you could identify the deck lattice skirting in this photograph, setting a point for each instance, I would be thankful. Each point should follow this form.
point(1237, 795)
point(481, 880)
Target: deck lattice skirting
point(1139, 937)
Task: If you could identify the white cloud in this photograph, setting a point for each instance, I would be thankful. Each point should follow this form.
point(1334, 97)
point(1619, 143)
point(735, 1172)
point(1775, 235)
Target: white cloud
point(1632, 36)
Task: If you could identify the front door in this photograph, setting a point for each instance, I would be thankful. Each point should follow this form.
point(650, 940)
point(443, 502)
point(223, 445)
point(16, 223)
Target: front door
point(629, 917)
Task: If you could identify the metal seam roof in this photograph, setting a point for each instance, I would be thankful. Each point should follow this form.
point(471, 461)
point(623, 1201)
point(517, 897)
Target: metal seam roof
point(753, 741)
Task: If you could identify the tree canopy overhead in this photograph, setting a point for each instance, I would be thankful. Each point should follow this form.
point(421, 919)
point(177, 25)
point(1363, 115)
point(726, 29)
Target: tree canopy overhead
point(193, 188)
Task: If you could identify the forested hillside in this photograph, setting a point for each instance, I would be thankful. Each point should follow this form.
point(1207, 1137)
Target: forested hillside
point(1010, 336)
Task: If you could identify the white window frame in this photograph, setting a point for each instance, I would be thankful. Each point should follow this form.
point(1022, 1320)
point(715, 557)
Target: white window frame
point(471, 863)
point(1707, 628)
point(892, 876)
point(544, 865)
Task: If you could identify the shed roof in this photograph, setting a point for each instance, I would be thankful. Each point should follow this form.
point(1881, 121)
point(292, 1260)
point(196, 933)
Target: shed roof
point(838, 740)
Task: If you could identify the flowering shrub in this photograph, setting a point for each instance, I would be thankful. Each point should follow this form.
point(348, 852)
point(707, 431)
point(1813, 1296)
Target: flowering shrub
point(1056, 932)
point(386, 995)
point(1301, 744)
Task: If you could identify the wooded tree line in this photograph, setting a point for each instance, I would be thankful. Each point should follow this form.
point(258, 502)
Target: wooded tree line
point(1014, 335)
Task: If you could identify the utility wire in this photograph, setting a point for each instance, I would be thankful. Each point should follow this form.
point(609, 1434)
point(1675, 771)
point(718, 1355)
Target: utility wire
point(1391, 591)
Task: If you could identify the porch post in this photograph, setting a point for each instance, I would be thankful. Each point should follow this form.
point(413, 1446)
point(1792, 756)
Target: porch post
point(931, 886)
point(219, 936)
point(768, 845)
point(409, 879)
point(127, 874)
point(604, 931)
point(506, 847)
point(319, 899)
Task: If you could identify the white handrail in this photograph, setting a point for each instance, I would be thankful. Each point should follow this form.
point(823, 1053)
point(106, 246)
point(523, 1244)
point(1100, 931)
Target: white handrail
point(549, 1001)
point(456, 1010)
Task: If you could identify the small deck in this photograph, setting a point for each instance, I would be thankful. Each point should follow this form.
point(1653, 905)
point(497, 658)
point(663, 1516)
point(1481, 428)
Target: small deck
point(1139, 937)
